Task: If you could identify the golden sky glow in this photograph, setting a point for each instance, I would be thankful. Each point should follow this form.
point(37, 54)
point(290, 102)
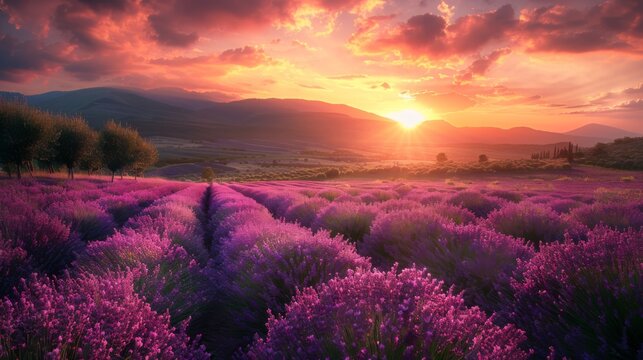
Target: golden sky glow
point(551, 65)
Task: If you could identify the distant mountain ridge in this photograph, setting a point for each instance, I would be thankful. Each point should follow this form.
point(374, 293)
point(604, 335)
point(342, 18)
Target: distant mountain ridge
point(602, 131)
point(178, 113)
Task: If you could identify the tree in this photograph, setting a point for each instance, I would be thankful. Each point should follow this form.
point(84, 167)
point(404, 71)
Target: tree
point(117, 147)
point(145, 155)
point(207, 174)
point(23, 131)
point(74, 141)
point(483, 158)
point(441, 157)
point(92, 160)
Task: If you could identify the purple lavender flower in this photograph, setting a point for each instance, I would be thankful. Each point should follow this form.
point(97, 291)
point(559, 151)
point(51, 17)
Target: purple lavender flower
point(385, 315)
point(583, 299)
point(89, 317)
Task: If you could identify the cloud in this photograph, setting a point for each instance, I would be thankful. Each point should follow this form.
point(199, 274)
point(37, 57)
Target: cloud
point(481, 65)
point(23, 60)
point(636, 105)
point(314, 87)
point(189, 17)
point(247, 56)
point(92, 69)
point(446, 102)
point(166, 35)
point(446, 10)
point(430, 35)
point(611, 25)
point(347, 77)
point(81, 24)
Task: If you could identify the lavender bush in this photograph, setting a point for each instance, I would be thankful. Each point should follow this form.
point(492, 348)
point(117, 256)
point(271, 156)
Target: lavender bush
point(583, 299)
point(617, 216)
point(87, 219)
point(353, 220)
point(263, 265)
point(305, 212)
point(535, 223)
point(471, 258)
point(88, 318)
point(481, 205)
point(385, 315)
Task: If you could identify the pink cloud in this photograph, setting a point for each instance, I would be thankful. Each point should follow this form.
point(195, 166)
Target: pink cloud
point(481, 65)
point(429, 35)
point(246, 56)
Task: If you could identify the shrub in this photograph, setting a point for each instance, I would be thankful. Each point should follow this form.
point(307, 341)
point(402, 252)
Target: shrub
point(583, 299)
point(279, 203)
point(122, 251)
point(384, 315)
point(87, 219)
point(207, 174)
point(305, 212)
point(262, 268)
point(564, 206)
point(477, 203)
point(175, 284)
point(441, 157)
point(617, 216)
point(378, 196)
point(535, 223)
point(121, 207)
point(454, 213)
point(482, 158)
point(332, 173)
point(239, 218)
point(353, 220)
point(473, 259)
point(90, 317)
point(507, 195)
point(330, 194)
point(398, 204)
point(32, 241)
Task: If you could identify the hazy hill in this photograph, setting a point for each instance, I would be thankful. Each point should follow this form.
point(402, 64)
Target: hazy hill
point(441, 132)
point(602, 132)
point(188, 115)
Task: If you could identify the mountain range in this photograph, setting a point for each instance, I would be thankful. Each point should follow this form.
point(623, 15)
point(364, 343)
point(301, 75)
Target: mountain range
point(174, 112)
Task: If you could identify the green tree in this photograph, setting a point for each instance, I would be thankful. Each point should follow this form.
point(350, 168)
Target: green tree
point(117, 147)
point(207, 174)
point(145, 155)
point(75, 139)
point(23, 131)
point(441, 157)
point(483, 158)
point(92, 160)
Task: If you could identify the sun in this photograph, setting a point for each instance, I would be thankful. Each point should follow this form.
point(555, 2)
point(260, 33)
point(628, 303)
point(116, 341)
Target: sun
point(409, 119)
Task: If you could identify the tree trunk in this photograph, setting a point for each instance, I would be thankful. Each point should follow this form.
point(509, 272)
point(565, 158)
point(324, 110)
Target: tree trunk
point(113, 175)
point(72, 173)
point(121, 174)
point(18, 170)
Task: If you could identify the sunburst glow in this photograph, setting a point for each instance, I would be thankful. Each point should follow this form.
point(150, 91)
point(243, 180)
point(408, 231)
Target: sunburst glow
point(409, 119)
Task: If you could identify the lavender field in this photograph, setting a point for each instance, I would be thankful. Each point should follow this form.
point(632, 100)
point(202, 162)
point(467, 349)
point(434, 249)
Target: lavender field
point(503, 269)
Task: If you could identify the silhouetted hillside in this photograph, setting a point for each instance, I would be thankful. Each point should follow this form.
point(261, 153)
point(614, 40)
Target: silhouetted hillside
point(177, 113)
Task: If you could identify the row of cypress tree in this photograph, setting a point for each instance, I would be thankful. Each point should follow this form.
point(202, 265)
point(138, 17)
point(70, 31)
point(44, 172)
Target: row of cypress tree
point(31, 136)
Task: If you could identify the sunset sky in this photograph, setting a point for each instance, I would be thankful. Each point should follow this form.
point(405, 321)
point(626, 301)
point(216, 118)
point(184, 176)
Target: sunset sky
point(552, 65)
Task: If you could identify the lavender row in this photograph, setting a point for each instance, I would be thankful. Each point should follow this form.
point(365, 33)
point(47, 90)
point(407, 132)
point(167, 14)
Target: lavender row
point(266, 263)
point(129, 296)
